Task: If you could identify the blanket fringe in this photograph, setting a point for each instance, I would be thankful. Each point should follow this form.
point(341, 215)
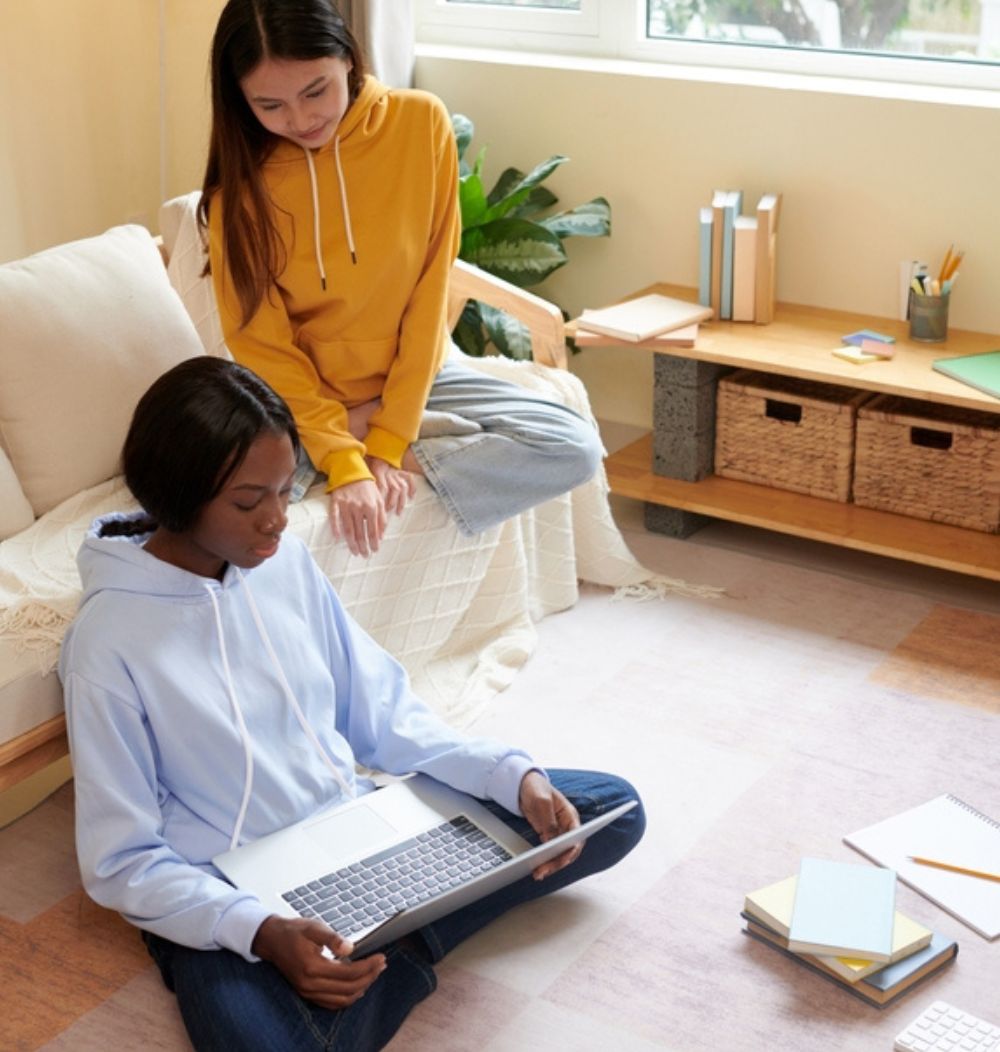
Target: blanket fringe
point(37, 624)
point(657, 587)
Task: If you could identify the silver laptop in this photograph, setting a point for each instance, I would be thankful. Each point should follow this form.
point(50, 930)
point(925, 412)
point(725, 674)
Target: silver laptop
point(382, 865)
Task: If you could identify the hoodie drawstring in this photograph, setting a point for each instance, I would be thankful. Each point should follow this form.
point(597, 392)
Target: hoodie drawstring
point(344, 208)
point(343, 199)
point(240, 723)
point(287, 690)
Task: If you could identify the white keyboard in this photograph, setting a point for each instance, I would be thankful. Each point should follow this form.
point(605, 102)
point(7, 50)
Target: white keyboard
point(942, 1027)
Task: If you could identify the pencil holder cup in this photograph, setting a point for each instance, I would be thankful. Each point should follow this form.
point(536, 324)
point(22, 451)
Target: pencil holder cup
point(928, 317)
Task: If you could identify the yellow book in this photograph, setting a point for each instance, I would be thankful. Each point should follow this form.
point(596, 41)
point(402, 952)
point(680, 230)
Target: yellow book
point(772, 906)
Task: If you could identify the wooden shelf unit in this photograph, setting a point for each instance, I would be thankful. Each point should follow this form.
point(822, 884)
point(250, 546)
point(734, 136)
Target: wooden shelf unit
point(799, 343)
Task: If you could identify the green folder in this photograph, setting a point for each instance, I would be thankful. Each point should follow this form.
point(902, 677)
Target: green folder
point(981, 371)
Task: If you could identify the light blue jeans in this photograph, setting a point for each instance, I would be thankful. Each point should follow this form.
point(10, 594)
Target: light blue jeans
point(491, 449)
point(228, 1003)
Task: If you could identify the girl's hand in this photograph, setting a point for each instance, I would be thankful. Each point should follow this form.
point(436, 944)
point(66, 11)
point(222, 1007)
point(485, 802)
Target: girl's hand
point(394, 484)
point(295, 947)
point(357, 516)
point(550, 814)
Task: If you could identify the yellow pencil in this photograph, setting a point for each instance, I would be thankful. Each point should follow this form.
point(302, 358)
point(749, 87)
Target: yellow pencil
point(953, 265)
point(954, 869)
point(943, 272)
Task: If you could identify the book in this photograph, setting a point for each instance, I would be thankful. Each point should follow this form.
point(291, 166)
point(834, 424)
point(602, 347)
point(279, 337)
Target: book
point(731, 209)
point(981, 371)
point(843, 909)
point(705, 256)
point(718, 207)
point(881, 987)
point(768, 214)
point(948, 829)
point(744, 267)
point(683, 337)
point(772, 906)
point(643, 317)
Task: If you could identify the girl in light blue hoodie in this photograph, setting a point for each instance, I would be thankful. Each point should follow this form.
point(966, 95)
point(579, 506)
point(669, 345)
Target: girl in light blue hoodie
point(216, 691)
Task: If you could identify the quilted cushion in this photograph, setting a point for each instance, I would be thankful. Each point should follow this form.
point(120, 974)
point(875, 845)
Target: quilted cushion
point(85, 328)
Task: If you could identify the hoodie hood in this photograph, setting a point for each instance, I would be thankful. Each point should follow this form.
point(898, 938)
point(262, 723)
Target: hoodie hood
point(122, 564)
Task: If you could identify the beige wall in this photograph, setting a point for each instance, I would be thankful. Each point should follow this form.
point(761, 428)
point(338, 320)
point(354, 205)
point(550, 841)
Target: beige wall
point(82, 142)
point(867, 183)
point(79, 118)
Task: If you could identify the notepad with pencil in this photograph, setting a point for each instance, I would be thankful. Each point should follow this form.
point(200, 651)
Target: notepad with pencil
point(959, 852)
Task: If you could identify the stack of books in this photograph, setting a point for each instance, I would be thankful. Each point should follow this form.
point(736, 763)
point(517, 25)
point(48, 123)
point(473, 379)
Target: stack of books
point(839, 920)
point(737, 257)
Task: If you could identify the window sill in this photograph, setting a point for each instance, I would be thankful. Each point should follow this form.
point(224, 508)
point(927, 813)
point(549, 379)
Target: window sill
point(943, 95)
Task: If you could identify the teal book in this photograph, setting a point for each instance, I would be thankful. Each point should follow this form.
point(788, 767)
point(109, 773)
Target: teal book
point(733, 207)
point(981, 371)
point(843, 909)
point(705, 256)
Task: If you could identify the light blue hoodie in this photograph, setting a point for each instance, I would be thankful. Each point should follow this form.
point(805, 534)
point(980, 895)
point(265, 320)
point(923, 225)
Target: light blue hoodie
point(204, 714)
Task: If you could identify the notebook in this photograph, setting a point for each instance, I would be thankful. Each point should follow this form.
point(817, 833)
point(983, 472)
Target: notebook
point(644, 317)
point(419, 831)
point(842, 909)
point(950, 830)
point(981, 371)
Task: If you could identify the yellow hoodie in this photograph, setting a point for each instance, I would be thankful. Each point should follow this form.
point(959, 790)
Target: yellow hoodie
point(378, 329)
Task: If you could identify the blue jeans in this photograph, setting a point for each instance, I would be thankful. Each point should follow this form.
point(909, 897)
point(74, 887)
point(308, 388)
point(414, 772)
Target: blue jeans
point(227, 1002)
point(491, 449)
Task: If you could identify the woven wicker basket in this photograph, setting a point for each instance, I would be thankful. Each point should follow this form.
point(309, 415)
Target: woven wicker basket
point(929, 461)
point(788, 433)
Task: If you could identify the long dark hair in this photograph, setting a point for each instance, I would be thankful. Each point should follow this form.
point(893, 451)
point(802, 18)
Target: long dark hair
point(190, 431)
point(249, 31)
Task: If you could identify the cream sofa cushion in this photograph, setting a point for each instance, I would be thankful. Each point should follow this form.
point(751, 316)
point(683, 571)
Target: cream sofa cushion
point(85, 328)
point(15, 511)
point(187, 252)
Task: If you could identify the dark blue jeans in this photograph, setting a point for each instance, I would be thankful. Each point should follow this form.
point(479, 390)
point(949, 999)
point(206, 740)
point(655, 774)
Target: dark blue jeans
point(227, 1002)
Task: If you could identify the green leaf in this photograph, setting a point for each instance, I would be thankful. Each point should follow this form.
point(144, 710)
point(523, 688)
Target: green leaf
point(540, 198)
point(516, 193)
point(518, 250)
point(464, 130)
point(468, 333)
point(590, 220)
point(472, 200)
point(511, 338)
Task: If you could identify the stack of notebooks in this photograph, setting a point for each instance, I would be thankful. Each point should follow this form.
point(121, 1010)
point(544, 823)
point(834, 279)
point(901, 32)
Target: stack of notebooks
point(653, 319)
point(840, 921)
point(737, 253)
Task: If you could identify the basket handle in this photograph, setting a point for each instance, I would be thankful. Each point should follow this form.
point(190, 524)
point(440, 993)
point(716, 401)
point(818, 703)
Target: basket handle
point(787, 411)
point(929, 438)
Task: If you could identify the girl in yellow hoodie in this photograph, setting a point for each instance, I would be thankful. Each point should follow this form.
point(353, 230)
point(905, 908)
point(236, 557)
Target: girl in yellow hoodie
point(332, 211)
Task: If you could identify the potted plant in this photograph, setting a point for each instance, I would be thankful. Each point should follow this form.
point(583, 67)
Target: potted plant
point(506, 233)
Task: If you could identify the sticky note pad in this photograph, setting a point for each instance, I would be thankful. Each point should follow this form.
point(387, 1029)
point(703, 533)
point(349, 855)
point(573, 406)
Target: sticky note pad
point(880, 350)
point(855, 355)
point(857, 338)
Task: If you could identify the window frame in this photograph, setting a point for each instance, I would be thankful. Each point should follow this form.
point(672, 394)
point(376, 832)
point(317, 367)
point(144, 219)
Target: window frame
point(600, 31)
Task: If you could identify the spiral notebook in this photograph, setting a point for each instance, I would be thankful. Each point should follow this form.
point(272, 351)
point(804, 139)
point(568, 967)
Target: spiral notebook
point(950, 830)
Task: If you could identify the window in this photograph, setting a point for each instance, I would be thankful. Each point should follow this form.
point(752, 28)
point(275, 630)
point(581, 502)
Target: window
point(957, 29)
point(953, 42)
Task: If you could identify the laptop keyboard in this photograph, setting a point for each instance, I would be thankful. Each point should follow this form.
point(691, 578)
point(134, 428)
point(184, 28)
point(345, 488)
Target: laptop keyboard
point(368, 892)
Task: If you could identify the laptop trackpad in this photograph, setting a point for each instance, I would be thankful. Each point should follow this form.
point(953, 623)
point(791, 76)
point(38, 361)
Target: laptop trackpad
point(358, 830)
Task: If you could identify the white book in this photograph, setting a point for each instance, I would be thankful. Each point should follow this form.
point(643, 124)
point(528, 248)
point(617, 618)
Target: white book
point(644, 317)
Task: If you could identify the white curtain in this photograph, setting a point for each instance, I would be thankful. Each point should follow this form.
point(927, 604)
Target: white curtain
point(385, 30)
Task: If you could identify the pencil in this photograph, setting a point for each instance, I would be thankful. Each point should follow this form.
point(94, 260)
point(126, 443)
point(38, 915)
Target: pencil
point(954, 869)
point(946, 262)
